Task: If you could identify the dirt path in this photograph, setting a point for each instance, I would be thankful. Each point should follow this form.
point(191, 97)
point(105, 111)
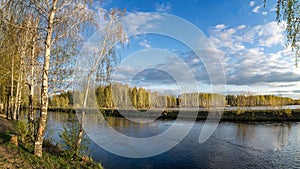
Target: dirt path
point(9, 156)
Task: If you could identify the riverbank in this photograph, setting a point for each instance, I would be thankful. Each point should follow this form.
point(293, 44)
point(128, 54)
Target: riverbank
point(21, 156)
point(245, 115)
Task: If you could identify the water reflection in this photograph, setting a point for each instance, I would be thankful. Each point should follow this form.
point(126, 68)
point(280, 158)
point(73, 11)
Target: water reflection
point(233, 145)
point(245, 131)
point(272, 136)
point(282, 132)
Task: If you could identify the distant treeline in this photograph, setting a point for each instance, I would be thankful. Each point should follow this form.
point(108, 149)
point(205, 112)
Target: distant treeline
point(124, 96)
point(259, 100)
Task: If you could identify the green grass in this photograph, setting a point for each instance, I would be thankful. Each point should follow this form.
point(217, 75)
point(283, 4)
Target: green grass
point(52, 157)
point(245, 116)
point(21, 156)
point(4, 137)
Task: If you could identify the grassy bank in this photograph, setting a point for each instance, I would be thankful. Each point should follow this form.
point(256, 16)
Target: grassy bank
point(228, 115)
point(244, 116)
point(21, 155)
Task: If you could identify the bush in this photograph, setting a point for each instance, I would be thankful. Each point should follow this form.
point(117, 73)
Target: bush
point(288, 112)
point(69, 138)
point(21, 130)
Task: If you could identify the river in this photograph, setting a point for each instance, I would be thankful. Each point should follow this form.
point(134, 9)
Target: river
point(233, 145)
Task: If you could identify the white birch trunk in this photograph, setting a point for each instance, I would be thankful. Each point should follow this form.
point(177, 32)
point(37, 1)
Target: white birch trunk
point(44, 93)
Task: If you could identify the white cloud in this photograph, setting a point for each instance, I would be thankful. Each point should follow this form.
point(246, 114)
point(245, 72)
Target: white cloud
point(241, 27)
point(136, 23)
point(256, 9)
point(255, 56)
point(266, 35)
point(163, 7)
point(271, 34)
point(220, 26)
point(273, 9)
point(252, 3)
point(145, 44)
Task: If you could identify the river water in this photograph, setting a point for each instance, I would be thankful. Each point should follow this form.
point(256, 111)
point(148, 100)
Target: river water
point(233, 145)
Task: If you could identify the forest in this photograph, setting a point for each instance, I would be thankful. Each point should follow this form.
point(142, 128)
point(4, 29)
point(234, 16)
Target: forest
point(39, 45)
point(124, 96)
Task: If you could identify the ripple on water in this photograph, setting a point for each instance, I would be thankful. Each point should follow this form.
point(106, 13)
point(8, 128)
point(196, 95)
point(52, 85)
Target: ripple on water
point(233, 145)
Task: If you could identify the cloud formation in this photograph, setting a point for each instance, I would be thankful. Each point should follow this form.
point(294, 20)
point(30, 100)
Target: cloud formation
point(255, 55)
point(163, 7)
point(256, 9)
point(145, 44)
point(138, 22)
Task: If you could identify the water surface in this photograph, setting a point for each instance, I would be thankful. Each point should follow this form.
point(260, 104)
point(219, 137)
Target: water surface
point(233, 145)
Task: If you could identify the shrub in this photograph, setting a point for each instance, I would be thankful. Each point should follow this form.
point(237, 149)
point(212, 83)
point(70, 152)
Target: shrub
point(69, 137)
point(21, 130)
point(288, 112)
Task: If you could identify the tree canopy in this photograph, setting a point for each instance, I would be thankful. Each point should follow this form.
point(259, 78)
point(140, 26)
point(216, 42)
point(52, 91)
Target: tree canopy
point(288, 11)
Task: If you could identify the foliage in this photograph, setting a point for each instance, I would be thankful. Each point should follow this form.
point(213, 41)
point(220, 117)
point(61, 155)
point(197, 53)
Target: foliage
point(123, 96)
point(21, 129)
point(69, 139)
point(289, 12)
point(53, 157)
point(249, 100)
point(288, 112)
point(59, 101)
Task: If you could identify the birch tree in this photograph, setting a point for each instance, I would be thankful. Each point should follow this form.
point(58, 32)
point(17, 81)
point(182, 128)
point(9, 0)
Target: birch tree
point(13, 50)
point(289, 12)
point(101, 60)
point(19, 18)
point(32, 70)
point(59, 20)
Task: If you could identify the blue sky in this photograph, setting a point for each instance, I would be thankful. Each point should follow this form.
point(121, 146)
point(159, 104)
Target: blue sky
point(244, 34)
point(205, 14)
